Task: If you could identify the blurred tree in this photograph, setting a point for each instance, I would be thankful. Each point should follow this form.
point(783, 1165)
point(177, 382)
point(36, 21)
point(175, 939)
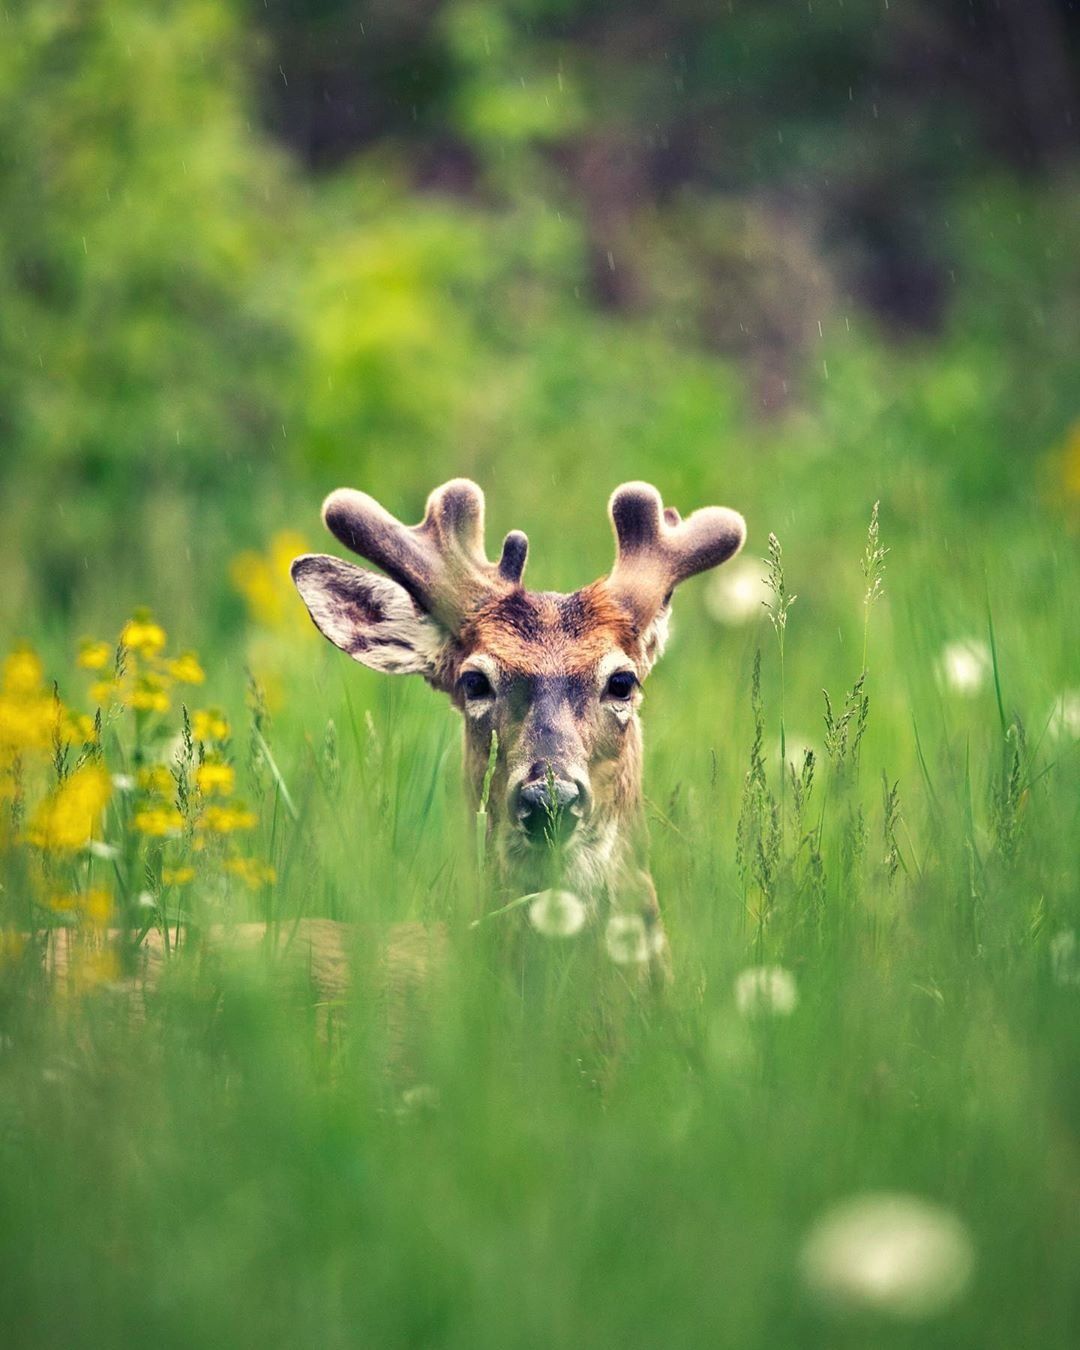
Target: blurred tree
point(863, 117)
point(141, 342)
point(533, 227)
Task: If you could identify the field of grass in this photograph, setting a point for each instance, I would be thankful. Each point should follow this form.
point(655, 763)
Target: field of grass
point(853, 1120)
point(530, 1149)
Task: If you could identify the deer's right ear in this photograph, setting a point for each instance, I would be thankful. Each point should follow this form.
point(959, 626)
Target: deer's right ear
point(368, 616)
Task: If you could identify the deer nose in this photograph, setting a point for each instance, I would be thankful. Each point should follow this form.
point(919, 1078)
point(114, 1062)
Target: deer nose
point(549, 809)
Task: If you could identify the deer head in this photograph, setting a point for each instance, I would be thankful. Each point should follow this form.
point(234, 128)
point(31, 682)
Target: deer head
point(557, 677)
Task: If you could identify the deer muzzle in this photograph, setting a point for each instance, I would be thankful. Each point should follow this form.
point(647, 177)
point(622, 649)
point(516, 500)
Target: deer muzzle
point(549, 808)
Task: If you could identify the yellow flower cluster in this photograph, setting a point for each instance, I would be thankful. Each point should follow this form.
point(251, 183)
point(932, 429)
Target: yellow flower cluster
point(70, 816)
point(143, 636)
point(95, 906)
point(158, 821)
point(93, 655)
point(150, 806)
point(155, 780)
point(209, 725)
point(251, 872)
point(264, 582)
point(213, 778)
point(45, 802)
point(185, 669)
point(226, 819)
point(142, 675)
point(31, 717)
point(158, 816)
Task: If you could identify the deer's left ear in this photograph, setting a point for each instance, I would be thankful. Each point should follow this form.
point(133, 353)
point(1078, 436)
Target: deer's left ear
point(368, 616)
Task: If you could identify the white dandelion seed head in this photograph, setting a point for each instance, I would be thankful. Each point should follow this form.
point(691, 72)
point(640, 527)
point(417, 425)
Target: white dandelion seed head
point(99, 849)
point(557, 914)
point(123, 782)
point(964, 666)
point(1064, 721)
point(737, 594)
point(897, 1254)
point(146, 900)
point(766, 989)
point(629, 941)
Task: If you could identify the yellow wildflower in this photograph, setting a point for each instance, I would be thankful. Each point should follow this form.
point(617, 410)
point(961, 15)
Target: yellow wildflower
point(226, 819)
point(209, 725)
point(84, 728)
point(158, 820)
point(265, 584)
point(23, 672)
point(94, 655)
point(104, 693)
point(143, 636)
point(27, 723)
point(69, 818)
point(284, 547)
point(186, 669)
point(251, 871)
point(156, 779)
point(148, 696)
point(95, 905)
point(253, 579)
point(30, 717)
point(211, 778)
point(177, 876)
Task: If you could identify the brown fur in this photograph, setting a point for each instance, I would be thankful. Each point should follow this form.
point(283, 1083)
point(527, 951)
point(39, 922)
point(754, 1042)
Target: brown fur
point(540, 633)
point(550, 713)
point(530, 668)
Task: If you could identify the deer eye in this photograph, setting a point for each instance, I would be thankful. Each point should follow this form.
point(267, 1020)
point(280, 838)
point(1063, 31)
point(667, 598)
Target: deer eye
point(475, 684)
point(621, 685)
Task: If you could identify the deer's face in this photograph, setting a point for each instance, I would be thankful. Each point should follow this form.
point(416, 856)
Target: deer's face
point(553, 681)
point(557, 680)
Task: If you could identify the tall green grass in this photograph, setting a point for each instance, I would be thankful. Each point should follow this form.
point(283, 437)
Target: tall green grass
point(532, 1149)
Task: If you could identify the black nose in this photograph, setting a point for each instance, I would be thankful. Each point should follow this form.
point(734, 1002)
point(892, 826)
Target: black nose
point(546, 810)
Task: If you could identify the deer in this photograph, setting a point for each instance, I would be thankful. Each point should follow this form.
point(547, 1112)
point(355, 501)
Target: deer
point(549, 685)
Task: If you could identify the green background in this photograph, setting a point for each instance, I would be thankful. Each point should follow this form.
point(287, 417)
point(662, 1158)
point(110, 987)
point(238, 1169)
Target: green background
point(792, 258)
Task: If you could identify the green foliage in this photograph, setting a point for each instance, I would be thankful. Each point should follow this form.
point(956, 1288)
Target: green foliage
point(198, 340)
point(527, 1119)
point(139, 222)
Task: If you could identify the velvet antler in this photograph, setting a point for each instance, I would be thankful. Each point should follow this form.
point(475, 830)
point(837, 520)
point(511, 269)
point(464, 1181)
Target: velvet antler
point(440, 562)
point(656, 549)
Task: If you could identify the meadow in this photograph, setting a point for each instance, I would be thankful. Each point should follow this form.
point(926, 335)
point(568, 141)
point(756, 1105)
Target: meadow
point(854, 1117)
point(228, 1155)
